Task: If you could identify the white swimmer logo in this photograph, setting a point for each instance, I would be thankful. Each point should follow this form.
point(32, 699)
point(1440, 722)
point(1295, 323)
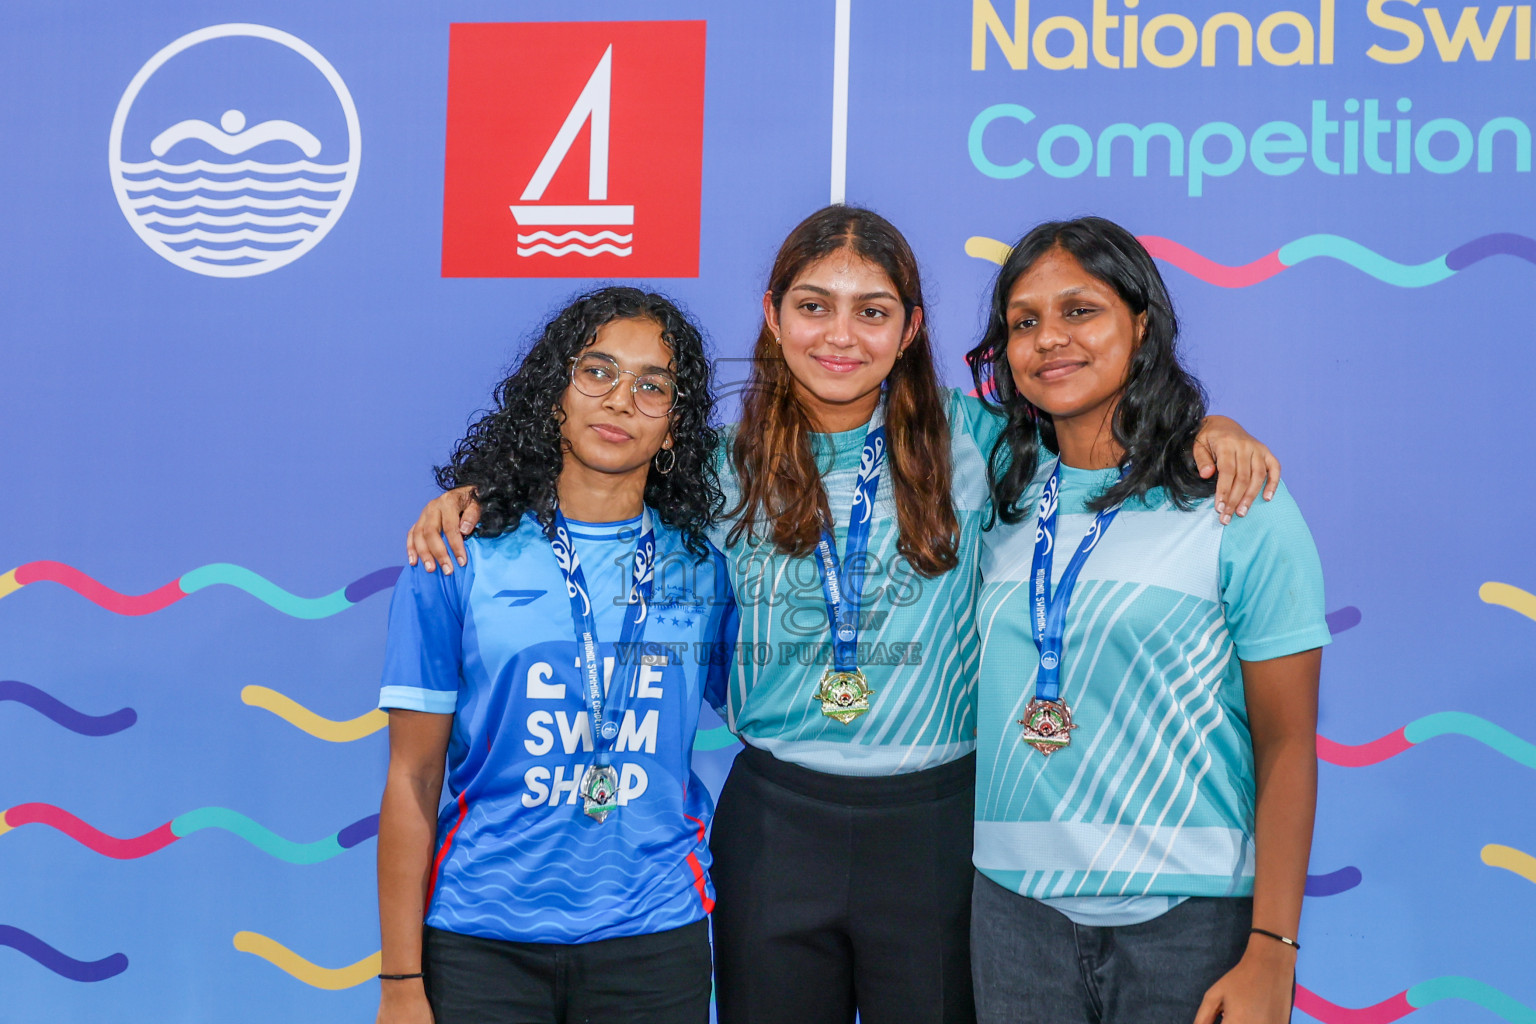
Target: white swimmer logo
point(203, 200)
point(593, 104)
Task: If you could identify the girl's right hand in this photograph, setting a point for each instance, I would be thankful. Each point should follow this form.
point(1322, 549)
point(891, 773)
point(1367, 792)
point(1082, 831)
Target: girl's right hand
point(404, 1002)
point(454, 513)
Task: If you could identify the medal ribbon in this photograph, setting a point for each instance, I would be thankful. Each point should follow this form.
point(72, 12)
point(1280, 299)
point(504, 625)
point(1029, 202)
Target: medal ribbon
point(1049, 610)
point(604, 731)
point(843, 595)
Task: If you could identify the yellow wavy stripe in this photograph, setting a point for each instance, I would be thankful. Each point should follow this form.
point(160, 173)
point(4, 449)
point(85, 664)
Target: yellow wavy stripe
point(1510, 859)
point(8, 584)
point(984, 248)
point(300, 717)
point(1513, 598)
point(4, 828)
point(285, 959)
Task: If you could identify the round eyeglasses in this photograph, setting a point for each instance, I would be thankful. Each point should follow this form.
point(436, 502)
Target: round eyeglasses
point(597, 375)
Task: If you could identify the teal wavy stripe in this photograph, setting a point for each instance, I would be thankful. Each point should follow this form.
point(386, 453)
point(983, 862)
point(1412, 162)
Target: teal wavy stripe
point(265, 591)
point(717, 738)
point(1348, 251)
point(1471, 991)
point(1485, 732)
point(259, 836)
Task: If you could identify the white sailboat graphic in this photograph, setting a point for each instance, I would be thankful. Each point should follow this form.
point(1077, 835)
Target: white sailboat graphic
point(592, 105)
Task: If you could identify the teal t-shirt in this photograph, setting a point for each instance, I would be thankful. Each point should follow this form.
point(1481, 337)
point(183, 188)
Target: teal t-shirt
point(1153, 801)
point(917, 641)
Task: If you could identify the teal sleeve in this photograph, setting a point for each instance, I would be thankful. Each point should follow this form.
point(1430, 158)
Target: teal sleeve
point(1272, 582)
point(981, 422)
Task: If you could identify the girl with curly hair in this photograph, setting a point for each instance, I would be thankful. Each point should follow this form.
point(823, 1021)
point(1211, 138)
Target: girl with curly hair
point(561, 675)
point(856, 495)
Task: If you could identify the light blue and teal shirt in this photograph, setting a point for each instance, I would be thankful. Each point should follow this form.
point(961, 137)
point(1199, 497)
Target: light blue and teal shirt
point(494, 646)
point(917, 641)
point(1153, 800)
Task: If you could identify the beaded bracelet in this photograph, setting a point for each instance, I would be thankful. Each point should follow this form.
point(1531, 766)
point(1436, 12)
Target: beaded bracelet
point(1278, 938)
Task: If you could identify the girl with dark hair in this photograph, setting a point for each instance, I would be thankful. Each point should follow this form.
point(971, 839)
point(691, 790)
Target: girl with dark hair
point(1148, 697)
point(566, 876)
point(856, 494)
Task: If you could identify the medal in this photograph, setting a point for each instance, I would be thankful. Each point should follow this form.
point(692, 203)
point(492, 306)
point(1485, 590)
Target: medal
point(599, 791)
point(1047, 725)
point(843, 695)
point(1047, 720)
point(843, 690)
point(600, 784)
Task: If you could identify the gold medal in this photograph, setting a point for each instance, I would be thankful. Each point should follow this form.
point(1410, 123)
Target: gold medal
point(844, 695)
point(1047, 725)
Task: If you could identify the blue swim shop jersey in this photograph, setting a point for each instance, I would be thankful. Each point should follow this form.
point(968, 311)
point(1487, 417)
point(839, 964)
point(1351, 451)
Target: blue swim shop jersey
point(493, 645)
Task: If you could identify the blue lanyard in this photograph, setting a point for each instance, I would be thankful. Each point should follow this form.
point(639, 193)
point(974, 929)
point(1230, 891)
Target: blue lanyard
point(1050, 611)
point(844, 594)
point(604, 731)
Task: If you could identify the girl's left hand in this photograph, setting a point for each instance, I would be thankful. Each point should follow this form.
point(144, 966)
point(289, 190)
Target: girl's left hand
point(1257, 991)
point(1243, 465)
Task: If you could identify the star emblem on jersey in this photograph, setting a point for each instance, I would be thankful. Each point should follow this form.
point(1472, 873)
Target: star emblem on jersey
point(1047, 725)
point(843, 695)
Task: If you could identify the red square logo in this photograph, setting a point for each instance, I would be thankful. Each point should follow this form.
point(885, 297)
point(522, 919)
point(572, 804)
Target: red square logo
point(574, 149)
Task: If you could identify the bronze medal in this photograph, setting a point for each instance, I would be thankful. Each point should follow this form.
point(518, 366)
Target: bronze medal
point(1047, 725)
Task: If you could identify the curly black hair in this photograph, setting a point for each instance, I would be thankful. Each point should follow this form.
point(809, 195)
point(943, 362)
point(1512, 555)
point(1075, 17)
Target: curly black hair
point(1161, 407)
point(512, 455)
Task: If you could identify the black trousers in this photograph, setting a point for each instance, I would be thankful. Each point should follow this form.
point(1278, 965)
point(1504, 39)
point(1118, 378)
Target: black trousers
point(837, 893)
point(662, 978)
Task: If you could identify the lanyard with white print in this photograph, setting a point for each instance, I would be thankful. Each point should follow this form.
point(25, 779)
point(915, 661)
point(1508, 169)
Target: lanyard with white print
point(843, 690)
point(1047, 719)
point(600, 784)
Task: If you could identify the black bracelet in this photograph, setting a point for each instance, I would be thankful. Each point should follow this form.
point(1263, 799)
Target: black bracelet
point(1278, 938)
point(399, 977)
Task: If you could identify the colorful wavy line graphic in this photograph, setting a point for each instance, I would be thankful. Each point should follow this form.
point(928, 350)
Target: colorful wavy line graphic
point(259, 836)
point(1336, 247)
point(300, 717)
point(1506, 596)
point(62, 964)
point(220, 574)
point(1333, 883)
point(1510, 859)
point(1347, 617)
point(1418, 997)
point(284, 959)
point(1441, 723)
point(55, 710)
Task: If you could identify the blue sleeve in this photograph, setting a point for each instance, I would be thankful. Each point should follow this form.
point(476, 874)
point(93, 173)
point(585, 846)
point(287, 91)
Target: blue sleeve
point(423, 654)
point(1272, 582)
point(721, 644)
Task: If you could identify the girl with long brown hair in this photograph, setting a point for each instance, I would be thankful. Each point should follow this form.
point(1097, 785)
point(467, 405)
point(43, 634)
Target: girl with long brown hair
point(856, 492)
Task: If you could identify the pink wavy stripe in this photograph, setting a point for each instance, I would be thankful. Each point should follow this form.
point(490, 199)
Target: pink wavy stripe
point(1210, 271)
point(1374, 752)
point(85, 835)
point(111, 600)
point(1384, 1012)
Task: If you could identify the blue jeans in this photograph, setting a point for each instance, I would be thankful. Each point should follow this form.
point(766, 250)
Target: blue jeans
point(1032, 965)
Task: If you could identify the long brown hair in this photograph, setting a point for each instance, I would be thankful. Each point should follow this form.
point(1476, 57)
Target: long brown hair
point(779, 480)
